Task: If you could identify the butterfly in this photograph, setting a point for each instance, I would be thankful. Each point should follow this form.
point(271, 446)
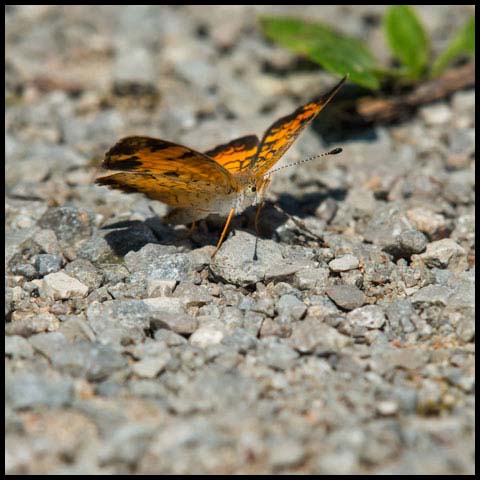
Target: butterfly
point(221, 181)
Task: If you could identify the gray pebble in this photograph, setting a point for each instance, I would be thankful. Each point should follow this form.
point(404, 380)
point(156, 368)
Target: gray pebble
point(48, 263)
point(70, 224)
point(412, 241)
point(370, 316)
point(28, 389)
point(445, 253)
point(18, 347)
point(344, 263)
point(290, 306)
point(346, 296)
point(85, 272)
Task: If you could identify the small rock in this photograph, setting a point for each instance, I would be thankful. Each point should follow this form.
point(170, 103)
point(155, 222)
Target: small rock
point(169, 305)
point(171, 338)
point(159, 262)
point(286, 453)
point(433, 224)
point(182, 323)
point(387, 408)
point(60, 286)
point(19, 267)
point(28, 389)
point(48, 263)
point(432, 295)
point(114, 273)
point(277, 355)
point(97, 250)
point(408, 358)
point(28, 323)
point(234, 263)
point(290, 306)
point(150, 367)
point(344, 263)
point(18, 347)
point(346, 296)
point(85, 272)
point(160, 288)
point(386, 226)
point(437, 114)
point(466, 329)
point(48, 242)
point(205, 336)
point(370, 316)
point(410, 242)
point(240, 340)
point(445, 253)
point(362, 201)
point(119, 321)
point(399, 313)
point(69, 223)
point(311, 278)
point(81, 358)
point(311, 335)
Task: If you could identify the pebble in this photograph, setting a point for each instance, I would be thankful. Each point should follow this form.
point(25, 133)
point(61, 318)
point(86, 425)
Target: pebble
point(432, 295)
point(48, 263)
point(80, 359)
point(411, 242)
point(85, 272)
point(387, 408)
point(286, 453)
point(311, 335)
point(28, 389)
point(18, 347)
point(348, 297)
point(234, 262)
point(433, 224)
point(69, 224)
point(155, 261)
point(206, 336)
point(445, 253)
point(60, 286)
point(150, 367)
point(344, 263)
point(277, 355)
point(466, 329)
point(160, 288)
point(290, 306)
point(436, 114)
point(28, 323)
point(370, 316)
point(311, 279)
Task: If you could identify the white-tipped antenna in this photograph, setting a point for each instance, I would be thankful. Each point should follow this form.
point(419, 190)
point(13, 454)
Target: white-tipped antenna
point(335, 151)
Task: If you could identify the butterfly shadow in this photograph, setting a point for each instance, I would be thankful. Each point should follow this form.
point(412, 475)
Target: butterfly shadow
point(128, 235)
point(133, 235)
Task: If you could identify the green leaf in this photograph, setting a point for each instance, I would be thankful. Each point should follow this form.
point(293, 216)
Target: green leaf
point(462, 43)
point(407, 39)
point(334, 52)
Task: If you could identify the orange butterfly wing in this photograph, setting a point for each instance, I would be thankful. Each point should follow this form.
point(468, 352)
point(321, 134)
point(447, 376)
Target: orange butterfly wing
point(281, 135)
point(165, 171)
point(236, 155)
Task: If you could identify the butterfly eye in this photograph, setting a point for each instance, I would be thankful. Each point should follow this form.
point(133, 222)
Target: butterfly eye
point(253, 188)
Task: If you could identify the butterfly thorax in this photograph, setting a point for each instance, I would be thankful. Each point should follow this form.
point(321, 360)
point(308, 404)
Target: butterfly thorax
point(243, 196)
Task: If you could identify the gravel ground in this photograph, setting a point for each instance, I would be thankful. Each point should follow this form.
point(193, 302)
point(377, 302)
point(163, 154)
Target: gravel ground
point(346, 348)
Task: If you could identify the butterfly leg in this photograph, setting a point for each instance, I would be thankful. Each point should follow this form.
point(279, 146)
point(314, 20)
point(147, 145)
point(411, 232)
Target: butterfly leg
point(261, 203)
point(224, 232)
point(257, 216)
point(191, 229)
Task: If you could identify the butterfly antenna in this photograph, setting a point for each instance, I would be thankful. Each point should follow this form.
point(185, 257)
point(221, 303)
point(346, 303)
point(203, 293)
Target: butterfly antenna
point(335, 151)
